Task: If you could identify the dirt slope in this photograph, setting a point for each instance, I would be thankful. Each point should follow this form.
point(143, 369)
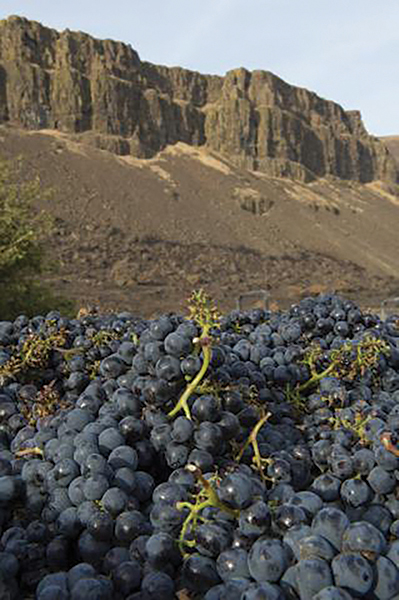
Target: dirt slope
point(140, 234)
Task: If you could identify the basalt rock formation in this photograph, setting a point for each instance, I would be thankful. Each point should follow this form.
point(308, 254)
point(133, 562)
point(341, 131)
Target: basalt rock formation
point(101, 91)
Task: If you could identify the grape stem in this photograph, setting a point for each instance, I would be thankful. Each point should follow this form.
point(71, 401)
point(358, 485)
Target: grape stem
point(36, 451)
point(367, 353)
point(205, 342)
point(252, 439)
point(206, 497)
point(317, 377)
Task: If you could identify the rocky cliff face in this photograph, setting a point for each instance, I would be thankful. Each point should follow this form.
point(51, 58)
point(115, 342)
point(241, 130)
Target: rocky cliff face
point(101, 90)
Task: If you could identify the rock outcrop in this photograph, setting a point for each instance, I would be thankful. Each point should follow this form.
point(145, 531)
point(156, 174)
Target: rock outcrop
point(102, 91)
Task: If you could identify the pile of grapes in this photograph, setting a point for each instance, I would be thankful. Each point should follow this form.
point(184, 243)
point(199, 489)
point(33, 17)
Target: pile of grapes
point(253, 456)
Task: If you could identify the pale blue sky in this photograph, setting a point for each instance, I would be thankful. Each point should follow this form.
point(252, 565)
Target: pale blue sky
point(344, 50)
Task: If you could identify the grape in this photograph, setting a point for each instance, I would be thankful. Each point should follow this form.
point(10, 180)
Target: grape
point(289, 515)
point(208, 436)
point(153, 351)
point(313, 574)
point(236, 490)
point(331, 523)
point(101, 526)
point(379, 516)
point(363, 537)
point(94, 464)
point(229, 425)
point(355, 492)
point(9, 564)
point(232, 564)
point(168, 368)
point(68, 523)
point(167, 518)
point(114, 557)
point(126, 577)
point(91, 549)
point(182, 430)
point(161, 550)
point(54, 580)
point(129, 525)
point(293, 537)
point(144, 485)
point(80, 571)
point(114, 501)
point(132, 429)
point(353, 573)
point(387, 584)
point(78, 418)
point(160, 328)
point(381, 481)
point(75, 491)
point(199, 573)
point(190, 365)
point(212, 539)
point(123, 456)
point(95, 486)
point(202, 459)
point(92, 588)
point(267, 559)
point(157, 584)
point(9, 489)
point(127, 403)
point(310, 502)
point(177, 345)
point(125, 480)
point(327, 487)
point(57, 554)
point(108, 440)
point(256, 519)
point(112, 366)
point(316, 546)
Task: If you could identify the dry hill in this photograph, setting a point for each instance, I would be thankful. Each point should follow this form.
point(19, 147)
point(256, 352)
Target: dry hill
point(167, 179)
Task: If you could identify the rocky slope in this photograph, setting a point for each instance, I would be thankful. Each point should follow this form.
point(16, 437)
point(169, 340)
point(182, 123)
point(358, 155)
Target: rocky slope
point(104, 93)
point(140, 234)
point(392, 143)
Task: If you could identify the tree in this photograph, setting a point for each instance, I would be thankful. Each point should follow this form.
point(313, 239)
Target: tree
point(23, 231)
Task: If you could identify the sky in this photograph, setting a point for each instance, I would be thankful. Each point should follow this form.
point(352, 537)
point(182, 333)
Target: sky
point(344, 50)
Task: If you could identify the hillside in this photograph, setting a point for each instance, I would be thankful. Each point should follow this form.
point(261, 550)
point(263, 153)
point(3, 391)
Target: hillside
point(165, 180)
point(143, 233)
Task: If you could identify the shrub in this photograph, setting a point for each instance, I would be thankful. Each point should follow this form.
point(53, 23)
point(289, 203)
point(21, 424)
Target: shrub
point(23, 231)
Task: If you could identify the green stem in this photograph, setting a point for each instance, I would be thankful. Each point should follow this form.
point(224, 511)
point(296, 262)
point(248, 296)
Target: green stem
point(253, 435)
point(252, 439)
point(316, 378)
point(211, 499)
point(182, 403)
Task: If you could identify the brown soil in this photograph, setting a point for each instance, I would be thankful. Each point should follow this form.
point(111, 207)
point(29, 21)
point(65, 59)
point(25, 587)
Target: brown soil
point(139, 235)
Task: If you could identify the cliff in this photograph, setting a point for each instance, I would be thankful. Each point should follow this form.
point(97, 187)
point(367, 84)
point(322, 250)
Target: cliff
point(101, 91)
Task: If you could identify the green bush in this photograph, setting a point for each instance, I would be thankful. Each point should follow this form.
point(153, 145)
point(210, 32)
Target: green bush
point(23, 231)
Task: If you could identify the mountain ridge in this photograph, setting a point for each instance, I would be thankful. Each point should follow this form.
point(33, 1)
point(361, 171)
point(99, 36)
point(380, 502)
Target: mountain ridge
point(102, 91)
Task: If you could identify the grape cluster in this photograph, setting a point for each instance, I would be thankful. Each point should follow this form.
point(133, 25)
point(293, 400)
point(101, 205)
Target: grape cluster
point(244, 457)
